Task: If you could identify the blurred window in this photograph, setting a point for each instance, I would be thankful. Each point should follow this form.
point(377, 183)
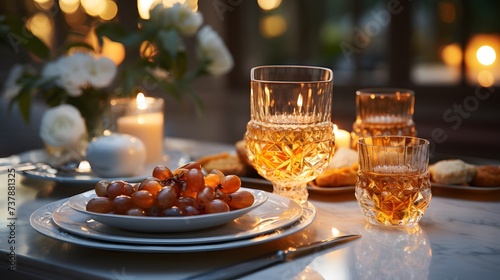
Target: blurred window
point(375, 43)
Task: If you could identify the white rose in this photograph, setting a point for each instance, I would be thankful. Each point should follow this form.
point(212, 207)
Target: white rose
point(52, 69)
point(155, 12)
point(75, 72)
point(62, 126)
point(212, 48)
point(184, 19)
point(167, 19)
point(102, 73)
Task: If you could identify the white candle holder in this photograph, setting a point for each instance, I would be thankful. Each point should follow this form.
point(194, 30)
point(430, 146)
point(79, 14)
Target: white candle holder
point(143, 118)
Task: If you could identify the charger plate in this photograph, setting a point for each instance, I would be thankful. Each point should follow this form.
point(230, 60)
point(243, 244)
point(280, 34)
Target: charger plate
point(41, 220)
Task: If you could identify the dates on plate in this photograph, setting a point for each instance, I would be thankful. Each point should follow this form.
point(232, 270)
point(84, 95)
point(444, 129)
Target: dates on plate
point(185, 191)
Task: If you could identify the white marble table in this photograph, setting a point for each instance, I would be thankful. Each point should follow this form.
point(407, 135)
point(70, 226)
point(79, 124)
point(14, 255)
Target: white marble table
point(456, 239)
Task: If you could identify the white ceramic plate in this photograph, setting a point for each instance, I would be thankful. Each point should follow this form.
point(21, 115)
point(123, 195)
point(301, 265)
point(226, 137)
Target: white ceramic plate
point(41, 221)
point(163, 224)
point(172, 159)
point(277, 212)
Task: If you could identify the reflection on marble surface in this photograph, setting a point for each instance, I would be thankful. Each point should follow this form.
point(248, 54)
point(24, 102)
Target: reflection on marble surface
point(333, 265)
point(393, 253)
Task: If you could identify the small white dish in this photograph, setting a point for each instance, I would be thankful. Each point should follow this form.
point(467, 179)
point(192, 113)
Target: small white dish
point(164, 224)
point(116, 155)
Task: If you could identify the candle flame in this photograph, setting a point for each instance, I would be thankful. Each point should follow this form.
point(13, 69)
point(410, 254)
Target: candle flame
point(335, 129)
point(141, 101)
point(299, 101)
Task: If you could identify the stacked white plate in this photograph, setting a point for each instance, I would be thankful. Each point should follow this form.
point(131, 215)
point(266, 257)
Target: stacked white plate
point(271, 217)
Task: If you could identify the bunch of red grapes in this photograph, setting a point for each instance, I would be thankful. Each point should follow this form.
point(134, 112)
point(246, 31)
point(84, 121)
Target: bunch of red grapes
point(185, 191)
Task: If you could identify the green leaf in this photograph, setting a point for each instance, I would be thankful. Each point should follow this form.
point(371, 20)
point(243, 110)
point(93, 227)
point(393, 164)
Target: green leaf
point(148, 30)
point(181, 65)
point(169, 41)
point(171, 89)
point(164, 60)
point(54, 97)
point(24, 102)
point(128, 81)
point(132, 78)
point(116, 33)
point(17, 35)
point(199, 103)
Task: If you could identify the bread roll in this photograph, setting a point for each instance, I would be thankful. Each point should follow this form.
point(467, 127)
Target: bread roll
point(452, 172)
point(487, 176)
point(225, 162)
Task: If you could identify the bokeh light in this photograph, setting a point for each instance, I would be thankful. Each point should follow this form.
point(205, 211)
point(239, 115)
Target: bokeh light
point(272, 26)
point(113, 50)
point(267, 5)
point(447, 12)
point(486, 55)
point(44, 4)
point(110, 11)
point(485, 78)
point(143, 6)
point(93, 7)
point(42, 27)
point(482, 67)
point(69, 6)
point(193, 4)
point(452, 54)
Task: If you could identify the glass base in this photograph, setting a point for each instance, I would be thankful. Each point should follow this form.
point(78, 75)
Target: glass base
point(297, 193)
point(389, 212)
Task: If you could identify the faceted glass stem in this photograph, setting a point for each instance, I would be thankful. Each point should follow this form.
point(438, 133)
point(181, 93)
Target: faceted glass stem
point(297, 193)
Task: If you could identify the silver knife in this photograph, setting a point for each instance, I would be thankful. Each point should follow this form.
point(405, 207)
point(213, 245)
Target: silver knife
point(17, 167)
point(244, 268)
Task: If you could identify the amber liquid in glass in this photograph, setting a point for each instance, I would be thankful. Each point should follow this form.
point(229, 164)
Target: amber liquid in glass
point(367, 129)
point(290, 154)
point(375, 129)
point(393, 195)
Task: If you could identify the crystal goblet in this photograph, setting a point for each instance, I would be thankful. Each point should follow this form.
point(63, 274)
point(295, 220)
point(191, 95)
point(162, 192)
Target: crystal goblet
point(290, 138)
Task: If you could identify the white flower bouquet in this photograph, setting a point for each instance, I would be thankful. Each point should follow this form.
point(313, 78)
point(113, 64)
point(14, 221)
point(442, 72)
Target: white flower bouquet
point(160, 43)
point(78, 79)
point(80, 71)
point(87, 81)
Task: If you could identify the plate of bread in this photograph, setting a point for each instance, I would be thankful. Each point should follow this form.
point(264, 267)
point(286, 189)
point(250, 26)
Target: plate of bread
point(340, 175)
point(456, 173)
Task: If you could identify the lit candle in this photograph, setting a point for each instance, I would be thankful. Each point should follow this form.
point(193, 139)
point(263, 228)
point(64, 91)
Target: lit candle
point(145, 123)
point(342, 137)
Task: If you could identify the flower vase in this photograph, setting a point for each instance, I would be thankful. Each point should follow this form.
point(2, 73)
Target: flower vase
point(59, 156)
point(92, 106)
